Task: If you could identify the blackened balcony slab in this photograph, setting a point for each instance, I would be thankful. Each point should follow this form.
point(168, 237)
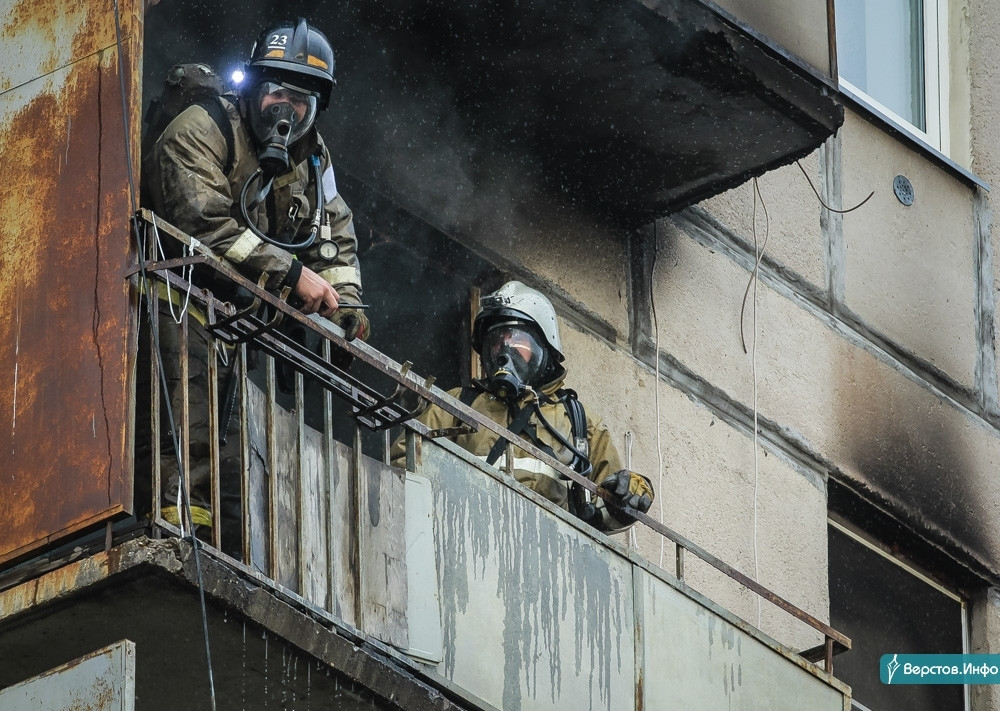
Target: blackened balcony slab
point(628, 109)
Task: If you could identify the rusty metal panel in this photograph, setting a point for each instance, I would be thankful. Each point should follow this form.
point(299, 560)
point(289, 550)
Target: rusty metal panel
point(64, 244)
point(101, 681)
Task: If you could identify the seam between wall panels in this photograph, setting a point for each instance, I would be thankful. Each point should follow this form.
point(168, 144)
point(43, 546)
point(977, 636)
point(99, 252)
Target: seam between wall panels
point(698, 225)
point(986, 364)
point(705, 230)
point(832, 223)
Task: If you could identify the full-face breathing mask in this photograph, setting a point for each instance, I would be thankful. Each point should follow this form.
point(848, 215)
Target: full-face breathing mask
point(279, 114)
point(514, 359)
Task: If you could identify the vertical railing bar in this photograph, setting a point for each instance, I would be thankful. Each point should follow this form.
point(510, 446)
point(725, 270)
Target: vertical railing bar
point(360, 492)
point(154, 401)
point(679, 561)
point(185, 414)
point(241, 354)
point(386, 445)
point(272, 474)
point(828, 658)
point(213, 440)
point(301, 552)
point(331, 575)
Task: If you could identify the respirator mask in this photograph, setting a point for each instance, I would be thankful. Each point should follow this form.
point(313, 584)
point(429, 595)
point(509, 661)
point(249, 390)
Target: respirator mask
point(514, 359)
point(279, 115)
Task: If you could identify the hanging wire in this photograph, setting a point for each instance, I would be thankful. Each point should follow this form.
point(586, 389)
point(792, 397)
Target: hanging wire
point(656, 394)
point(633, 540)
point(185, 504)
point(816, 193)
point(758, 255)
point(188, 251)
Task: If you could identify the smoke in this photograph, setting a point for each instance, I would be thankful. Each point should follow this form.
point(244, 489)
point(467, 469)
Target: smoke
point(440, 109)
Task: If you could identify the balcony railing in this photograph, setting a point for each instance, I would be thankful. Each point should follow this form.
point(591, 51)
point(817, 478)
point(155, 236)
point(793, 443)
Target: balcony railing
point(431, 559)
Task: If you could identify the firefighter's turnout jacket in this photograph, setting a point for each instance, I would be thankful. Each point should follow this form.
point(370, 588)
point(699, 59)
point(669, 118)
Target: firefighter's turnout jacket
point(188, 188)
point(531, 472)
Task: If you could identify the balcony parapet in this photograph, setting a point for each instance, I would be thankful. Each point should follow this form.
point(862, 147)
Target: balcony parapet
point(397, 554)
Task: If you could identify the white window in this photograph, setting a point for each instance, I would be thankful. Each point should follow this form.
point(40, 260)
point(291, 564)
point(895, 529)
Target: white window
point(893, 55)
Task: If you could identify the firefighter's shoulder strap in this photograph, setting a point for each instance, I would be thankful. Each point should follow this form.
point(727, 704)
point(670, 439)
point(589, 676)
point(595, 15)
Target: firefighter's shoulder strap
point(519, 418)
point(578, 423)
point(184, 86)
point(214, 107)
point(518, 424)
point(469, 394)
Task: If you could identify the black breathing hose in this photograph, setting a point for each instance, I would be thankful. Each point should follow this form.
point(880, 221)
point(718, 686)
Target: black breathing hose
point(562, 440)
point(317, 215)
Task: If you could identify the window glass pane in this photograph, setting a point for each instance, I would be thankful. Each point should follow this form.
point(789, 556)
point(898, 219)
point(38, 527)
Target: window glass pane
point(880, 50)
point(886, 609)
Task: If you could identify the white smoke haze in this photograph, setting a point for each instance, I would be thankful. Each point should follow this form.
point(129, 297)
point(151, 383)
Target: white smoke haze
point(402, 118)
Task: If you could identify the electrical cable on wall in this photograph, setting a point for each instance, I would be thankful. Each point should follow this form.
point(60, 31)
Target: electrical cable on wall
point(185, 504)
point(633, 540)
point(656, 393)
point(752, 283)
point(821, 202)
point(758, 256)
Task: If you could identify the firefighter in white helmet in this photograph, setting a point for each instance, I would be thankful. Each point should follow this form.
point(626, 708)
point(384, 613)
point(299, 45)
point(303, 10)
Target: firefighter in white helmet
point(517, 337)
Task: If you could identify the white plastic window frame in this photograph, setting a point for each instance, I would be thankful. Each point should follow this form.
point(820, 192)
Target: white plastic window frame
point(936, 82)
point(867, 542)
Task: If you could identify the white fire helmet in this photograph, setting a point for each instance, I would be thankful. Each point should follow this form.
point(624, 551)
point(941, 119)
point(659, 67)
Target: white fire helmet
point(514, 300)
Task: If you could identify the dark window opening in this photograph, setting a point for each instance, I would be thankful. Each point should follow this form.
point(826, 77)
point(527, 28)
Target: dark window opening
point(887, 608)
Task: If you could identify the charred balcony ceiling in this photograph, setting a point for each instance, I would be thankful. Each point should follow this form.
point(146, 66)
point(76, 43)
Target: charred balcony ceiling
point(633, 108)
point(625, 109)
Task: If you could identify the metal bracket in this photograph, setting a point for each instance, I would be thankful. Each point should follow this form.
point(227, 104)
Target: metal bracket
point(395, 399)
point(450, 432)
point(247, 315)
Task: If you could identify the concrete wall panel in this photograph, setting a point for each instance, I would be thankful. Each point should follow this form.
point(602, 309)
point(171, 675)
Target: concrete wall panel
point(985, 639)
point(706, 491)
point(984, 76)
point(800, 27)
point(909, 270)
point(792, 221)
point(825, 390)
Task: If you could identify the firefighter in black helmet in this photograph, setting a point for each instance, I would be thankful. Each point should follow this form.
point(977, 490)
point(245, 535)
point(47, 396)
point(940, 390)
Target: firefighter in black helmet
point(289, 77)
point(248, 175)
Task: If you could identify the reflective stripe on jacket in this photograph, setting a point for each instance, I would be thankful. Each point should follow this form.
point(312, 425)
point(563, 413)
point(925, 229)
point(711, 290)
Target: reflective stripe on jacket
point(188, 189)
point(604, 456)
